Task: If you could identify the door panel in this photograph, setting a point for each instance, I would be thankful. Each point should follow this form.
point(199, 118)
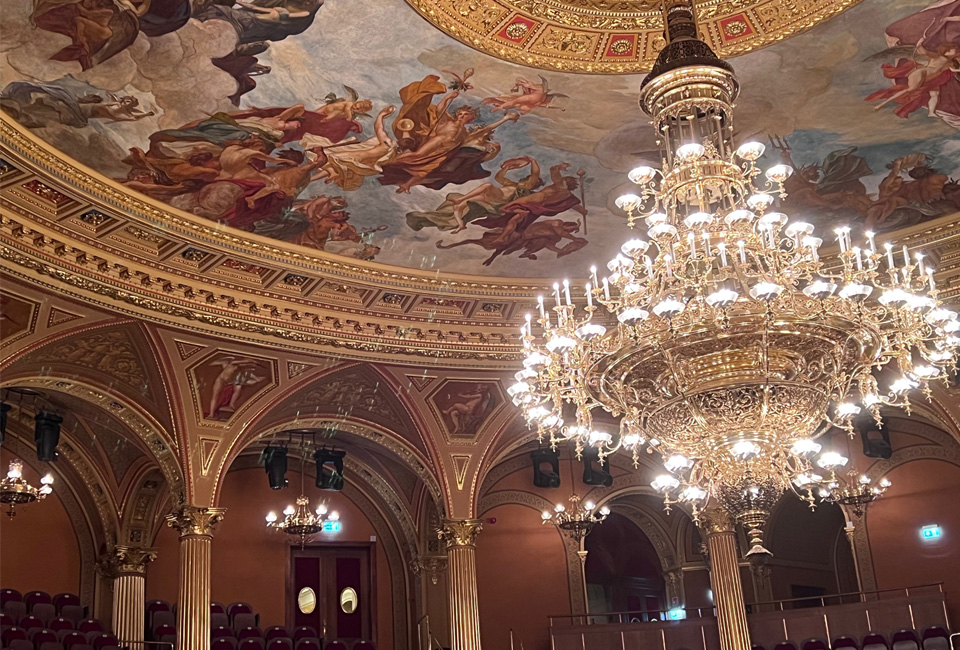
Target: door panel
point(329, 569)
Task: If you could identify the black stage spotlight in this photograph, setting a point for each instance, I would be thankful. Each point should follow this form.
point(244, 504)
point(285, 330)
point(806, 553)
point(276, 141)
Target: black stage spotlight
point(275, 463)
point(594, 475)
point(47, 436)
point(329, 469)
point(875, 438)
point(546, 468)
point(3, 421)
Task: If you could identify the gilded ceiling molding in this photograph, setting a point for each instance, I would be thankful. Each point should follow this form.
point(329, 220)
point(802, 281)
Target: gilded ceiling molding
point(72, 232)
point(602, 37)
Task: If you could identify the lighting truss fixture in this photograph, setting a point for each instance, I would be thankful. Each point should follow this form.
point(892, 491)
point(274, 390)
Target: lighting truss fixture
point(724, 340)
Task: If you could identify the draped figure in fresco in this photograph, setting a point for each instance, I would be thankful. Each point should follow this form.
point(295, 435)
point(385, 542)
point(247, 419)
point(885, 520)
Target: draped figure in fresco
point(100, 29)
point(516, 226)
point(437, 147)
point(257, 23)
point(927, 74)
point(459, 209)
point(42, 104)
point(349, 163)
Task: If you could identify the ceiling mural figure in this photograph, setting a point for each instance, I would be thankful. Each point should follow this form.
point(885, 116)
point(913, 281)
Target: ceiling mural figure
point(443, 158)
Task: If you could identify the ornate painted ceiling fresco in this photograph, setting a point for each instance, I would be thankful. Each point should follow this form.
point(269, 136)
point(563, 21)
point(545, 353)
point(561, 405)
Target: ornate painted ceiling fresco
point(359, 129)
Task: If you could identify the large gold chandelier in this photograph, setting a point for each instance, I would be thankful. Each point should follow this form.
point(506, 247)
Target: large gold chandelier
point(734, 346)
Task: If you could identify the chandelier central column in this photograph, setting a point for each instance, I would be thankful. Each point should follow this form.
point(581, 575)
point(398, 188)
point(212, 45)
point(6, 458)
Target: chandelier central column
point(460, 536)
point(725, 582)
point(196, 527)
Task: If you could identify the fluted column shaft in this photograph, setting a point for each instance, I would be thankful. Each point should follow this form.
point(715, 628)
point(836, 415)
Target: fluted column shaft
point(725, 582)
point(196, 526)
point(460, 536)
point(129, 569)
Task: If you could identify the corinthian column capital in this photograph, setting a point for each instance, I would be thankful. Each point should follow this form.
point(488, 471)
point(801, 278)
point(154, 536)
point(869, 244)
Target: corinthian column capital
point(460, 532)
point(132, 559)
point(191, 520)
point(716, 521)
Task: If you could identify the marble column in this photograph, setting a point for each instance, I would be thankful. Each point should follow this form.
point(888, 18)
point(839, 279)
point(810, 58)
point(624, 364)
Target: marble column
point(460, 536)
point(129, 569)
point(196, 527)
point(718, 527)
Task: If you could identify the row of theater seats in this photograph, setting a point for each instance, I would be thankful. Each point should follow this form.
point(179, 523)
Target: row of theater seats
point(38, 621)
point(932, 638)
point(236, 627)
point(41, 605)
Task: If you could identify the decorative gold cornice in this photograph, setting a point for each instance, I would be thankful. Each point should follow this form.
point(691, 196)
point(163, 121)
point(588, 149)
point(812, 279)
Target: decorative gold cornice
point(67, 230)
point(194, 521)
point(598, 36)
point(460, 532)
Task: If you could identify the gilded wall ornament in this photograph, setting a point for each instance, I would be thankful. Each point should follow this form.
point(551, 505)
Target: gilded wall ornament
point(460, 532)
point(191, 520)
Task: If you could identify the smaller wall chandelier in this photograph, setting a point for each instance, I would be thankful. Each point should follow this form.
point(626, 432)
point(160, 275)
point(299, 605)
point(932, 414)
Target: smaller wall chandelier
point(300, 521)
point(14, 490)
point(851, 489)
point(577, 519)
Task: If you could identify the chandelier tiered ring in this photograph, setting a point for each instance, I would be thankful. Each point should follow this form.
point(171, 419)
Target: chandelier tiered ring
point(730, 345)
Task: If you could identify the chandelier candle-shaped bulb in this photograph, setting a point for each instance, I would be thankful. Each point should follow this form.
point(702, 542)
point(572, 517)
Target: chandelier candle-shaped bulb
point(831, 459)
point(271, 517)
point(870, 241)
point(289, 510)
point(805, 447)
point(750, 151)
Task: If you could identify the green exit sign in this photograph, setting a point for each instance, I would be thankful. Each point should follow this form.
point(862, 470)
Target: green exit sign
point(930, 532)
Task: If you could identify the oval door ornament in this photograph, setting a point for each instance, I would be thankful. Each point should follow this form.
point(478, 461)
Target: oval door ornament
point(307, 600)
point(349, 600)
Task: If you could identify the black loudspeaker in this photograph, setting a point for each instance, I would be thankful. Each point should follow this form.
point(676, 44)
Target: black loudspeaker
point(47, 436)
point(546, 468)
point(329, 469)
point(3, 421)
point(875, 439)
point(592, 474)
point(275, 463)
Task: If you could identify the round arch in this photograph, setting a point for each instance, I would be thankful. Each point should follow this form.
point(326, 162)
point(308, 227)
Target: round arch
point(161, 446)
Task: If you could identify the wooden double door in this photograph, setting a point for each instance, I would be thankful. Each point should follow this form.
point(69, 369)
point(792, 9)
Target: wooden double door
point(331, 590)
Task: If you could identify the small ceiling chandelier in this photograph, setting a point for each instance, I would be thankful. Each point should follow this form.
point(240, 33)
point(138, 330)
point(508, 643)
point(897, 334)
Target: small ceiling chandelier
point(577, 519)
point(731, 346)
point(15, 491)
point(300, 521)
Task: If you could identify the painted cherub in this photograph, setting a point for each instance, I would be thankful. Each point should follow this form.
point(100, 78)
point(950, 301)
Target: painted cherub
point(531, 96)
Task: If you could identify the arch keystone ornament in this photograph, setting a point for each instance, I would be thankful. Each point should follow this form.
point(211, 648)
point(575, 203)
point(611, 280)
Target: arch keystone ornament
point(196, 526)
point(460, 536)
